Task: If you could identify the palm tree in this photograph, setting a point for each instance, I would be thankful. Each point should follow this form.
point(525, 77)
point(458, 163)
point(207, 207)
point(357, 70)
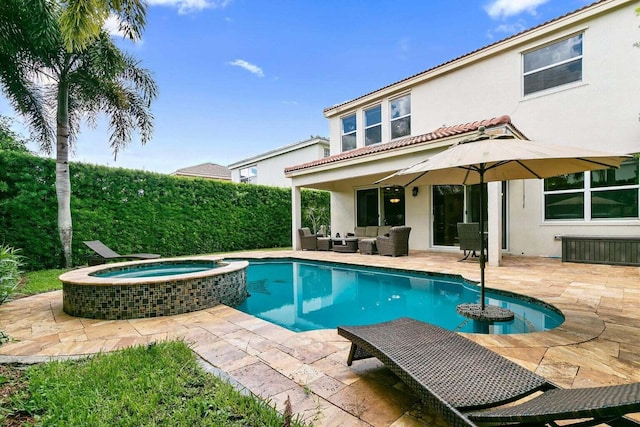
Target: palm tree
point(81, 21)
point(39, 77)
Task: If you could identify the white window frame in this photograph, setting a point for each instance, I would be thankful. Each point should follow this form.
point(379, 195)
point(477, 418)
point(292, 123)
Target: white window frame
point(372, 125)
point(394, 119)
point(354, 132)
point(249, 174)
point(588, 191)
point(555, 64)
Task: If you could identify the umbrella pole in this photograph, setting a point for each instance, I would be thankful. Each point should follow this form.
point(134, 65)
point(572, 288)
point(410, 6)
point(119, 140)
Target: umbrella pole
point(482, 241)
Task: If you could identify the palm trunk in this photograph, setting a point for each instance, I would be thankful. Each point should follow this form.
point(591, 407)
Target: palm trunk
point(63, 180)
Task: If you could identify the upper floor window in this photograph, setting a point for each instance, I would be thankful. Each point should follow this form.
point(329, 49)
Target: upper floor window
point(373, 125)
point(400, 109)
point(349, 132)
point(608, 193)
point(249, 175)
point(553, 65)
point(327, 152)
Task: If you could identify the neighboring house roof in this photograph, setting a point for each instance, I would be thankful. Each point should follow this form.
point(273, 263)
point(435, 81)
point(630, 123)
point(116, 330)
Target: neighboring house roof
point(206, 170)
point(281, 150)
point(438, 134)
point(463, 60)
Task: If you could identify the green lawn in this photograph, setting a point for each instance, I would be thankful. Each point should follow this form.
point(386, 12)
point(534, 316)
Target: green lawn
point(36, 282)
point(156, 385)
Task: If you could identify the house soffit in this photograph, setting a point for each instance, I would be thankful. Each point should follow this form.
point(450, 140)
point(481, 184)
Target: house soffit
point(440, 137)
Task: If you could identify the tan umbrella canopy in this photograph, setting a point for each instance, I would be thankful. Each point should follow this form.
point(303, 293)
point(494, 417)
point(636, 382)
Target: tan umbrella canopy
point(487, 158)
point(501, 158)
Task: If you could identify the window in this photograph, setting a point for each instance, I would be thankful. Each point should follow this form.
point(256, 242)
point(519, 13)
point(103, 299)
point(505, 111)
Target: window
point(608, 193)
point(373, 125)
point(400, 116)
point(327, 152)
point(349, 132)
point(553, 65)
point(249, 175)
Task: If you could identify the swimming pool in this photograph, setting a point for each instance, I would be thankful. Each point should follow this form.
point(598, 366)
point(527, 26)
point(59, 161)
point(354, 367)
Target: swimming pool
point(308, 295)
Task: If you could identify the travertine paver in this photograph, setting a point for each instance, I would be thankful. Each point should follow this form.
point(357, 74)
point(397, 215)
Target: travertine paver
point(598, 344)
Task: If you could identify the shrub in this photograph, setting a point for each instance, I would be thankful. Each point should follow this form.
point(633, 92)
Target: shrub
point(10, 263)
point(133, 211)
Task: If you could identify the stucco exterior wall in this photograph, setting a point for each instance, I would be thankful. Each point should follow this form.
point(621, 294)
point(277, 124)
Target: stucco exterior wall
point(271, 167)
point(600, 112)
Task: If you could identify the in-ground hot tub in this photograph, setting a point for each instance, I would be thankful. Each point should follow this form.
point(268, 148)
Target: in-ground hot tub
point(131, 290)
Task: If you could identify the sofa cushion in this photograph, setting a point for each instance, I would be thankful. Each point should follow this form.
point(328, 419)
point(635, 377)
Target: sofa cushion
point(383, 230)
point(360, 231)
point(372, 231)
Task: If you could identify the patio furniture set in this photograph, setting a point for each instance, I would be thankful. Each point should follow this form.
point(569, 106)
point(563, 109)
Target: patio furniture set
point(384, 240)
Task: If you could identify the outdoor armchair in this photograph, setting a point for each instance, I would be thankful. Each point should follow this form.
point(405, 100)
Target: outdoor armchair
point(396, 243)
point(308, 240)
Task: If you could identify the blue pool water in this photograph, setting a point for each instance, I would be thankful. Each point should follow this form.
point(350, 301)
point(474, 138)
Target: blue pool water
point(156, 269)
point(303, 296)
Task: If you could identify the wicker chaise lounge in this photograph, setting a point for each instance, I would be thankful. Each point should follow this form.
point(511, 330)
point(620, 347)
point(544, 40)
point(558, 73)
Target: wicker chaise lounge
point(104, 253)
point(454, 376)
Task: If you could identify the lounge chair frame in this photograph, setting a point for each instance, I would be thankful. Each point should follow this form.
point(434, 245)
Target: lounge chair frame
point(454, 375)
point(104, 253)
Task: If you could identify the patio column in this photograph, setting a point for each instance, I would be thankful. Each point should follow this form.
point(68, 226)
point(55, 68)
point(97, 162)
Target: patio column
point(296, 217)
point(494, 223)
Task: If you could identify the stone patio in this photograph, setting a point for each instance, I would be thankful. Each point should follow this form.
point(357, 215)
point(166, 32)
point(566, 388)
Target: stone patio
point(598, 344)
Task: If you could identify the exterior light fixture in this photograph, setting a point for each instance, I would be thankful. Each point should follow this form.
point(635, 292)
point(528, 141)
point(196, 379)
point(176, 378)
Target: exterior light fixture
point(414, 191)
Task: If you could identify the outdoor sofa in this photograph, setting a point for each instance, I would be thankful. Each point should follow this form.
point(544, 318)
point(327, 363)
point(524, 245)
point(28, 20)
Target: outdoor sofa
point(464, 381)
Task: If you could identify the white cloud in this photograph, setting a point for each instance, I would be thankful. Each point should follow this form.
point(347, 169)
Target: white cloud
point(403, 46)
point(248, 66)
point(112, 26)
point(191, 6)
point(507, 29)
point(506, 8)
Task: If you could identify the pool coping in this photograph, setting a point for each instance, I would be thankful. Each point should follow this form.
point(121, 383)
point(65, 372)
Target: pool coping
point(82, 276)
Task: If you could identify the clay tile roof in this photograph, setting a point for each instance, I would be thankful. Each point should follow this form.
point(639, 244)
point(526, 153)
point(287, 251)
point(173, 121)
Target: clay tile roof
point(440, 133)
point(206, 170)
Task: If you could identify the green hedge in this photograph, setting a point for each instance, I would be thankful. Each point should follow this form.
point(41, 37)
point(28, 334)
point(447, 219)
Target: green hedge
point(136, 211)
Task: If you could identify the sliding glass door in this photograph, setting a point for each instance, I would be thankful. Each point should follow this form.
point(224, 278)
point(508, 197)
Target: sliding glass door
point(448, 211)
point(456, 203)
point(380, 206)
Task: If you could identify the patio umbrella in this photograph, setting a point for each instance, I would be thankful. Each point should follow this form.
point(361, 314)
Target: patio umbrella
point(486, 158)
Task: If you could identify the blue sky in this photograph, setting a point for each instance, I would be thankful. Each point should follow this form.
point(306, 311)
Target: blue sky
point(241, 77)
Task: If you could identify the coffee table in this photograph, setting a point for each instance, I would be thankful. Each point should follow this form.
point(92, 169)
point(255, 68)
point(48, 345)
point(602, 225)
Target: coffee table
point(347, 244)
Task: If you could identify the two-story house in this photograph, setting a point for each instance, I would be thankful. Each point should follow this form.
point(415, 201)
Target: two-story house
point(570, 81)
point(267, 168)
